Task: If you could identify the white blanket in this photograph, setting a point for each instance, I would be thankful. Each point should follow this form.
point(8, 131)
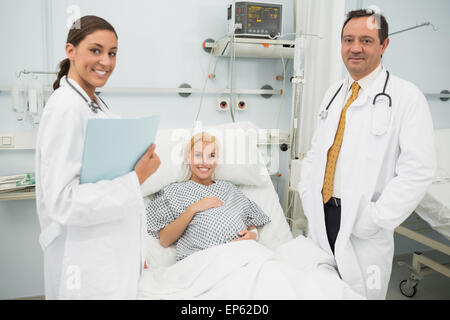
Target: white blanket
point(247, 270)
point(435, 207)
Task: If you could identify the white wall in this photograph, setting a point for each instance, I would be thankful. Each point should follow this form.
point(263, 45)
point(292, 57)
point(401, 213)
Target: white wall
point(160, 45)
point(422, 55)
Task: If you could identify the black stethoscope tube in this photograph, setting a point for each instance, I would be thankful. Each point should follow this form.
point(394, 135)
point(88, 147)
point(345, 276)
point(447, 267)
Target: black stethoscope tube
point(384, 91)
point(324, 113)
point(92, 104)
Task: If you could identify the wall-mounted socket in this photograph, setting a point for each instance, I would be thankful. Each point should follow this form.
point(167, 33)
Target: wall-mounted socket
point(6, 141)
point(241, 105)
point(223, 104)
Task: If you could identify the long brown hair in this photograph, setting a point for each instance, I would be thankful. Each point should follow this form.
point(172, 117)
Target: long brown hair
point(79, 30)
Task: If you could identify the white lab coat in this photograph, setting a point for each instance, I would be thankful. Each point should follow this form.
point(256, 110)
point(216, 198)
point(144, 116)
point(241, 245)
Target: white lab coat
point(91, 234)
point(383, 178)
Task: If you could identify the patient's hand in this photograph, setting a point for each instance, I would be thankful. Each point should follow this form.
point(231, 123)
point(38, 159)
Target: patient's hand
point(205, 204)
point(246, 235)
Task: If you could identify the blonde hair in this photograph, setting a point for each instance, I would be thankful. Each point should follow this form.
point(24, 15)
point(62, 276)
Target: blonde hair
point(200, 137)
point(203, 137)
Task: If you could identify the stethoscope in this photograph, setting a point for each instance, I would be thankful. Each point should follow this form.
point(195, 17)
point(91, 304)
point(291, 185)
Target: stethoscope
point(324, 113)
point(92, 104)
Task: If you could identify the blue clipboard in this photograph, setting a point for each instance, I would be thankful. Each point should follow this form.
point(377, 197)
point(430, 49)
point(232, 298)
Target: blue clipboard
point(112, 147)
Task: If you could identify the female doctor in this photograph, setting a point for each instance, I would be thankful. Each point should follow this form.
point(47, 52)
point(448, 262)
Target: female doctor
point(91, 233)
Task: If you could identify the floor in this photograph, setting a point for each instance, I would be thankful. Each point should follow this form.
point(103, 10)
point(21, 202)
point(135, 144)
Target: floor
point(433, 286)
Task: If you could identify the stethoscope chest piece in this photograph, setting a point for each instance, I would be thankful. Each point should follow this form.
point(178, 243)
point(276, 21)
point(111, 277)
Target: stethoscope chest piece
point(92, 104)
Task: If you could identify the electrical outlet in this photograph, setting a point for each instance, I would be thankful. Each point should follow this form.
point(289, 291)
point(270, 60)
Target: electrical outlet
point(6, 141)
point(241, 105)
point(223, 104)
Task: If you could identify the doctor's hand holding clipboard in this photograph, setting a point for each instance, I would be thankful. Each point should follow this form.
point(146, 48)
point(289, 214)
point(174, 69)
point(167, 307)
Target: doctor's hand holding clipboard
point(92, 234)
point(147, 165)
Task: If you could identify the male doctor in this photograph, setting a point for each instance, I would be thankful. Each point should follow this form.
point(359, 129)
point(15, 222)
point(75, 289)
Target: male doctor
point(371, 161)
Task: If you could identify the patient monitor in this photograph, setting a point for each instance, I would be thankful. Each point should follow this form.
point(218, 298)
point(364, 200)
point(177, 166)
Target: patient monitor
point(255, 19)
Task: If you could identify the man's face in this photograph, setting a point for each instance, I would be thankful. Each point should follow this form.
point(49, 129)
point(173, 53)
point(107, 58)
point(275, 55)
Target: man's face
point(360, 47)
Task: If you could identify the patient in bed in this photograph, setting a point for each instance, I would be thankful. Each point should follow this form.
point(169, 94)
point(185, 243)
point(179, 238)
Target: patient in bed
point(202, 212)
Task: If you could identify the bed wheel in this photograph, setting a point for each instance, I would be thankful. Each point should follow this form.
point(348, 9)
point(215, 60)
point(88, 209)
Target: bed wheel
point(408, 288)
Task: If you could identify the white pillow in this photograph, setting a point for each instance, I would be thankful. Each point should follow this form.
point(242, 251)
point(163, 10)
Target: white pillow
point(170, 144)
point(239, 160)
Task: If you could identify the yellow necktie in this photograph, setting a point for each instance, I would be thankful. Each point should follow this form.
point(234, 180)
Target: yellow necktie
point(333, 152)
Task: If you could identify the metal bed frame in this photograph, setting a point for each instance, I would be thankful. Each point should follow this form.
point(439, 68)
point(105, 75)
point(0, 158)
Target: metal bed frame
point(421, 265)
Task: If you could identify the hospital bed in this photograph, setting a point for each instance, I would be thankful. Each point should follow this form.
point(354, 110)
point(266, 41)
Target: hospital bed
point(434, 211)
point(275, 267)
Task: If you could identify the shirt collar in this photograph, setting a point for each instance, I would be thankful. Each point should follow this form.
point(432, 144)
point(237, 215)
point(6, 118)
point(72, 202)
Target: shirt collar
point(367, 81)
point(62, 82)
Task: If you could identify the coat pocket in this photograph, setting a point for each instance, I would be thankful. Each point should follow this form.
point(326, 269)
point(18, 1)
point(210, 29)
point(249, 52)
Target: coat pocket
point(89, 270)
point(365, 227)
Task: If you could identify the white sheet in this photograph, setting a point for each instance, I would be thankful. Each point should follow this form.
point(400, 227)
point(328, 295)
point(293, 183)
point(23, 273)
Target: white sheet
point(248, 270)
point(435, 207)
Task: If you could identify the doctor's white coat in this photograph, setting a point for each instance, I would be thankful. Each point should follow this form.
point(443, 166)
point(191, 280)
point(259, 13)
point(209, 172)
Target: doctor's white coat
point(383, 178)
point(91, 234)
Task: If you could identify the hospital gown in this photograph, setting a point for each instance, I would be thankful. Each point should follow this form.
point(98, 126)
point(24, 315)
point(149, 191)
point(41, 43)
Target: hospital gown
point(208, 228)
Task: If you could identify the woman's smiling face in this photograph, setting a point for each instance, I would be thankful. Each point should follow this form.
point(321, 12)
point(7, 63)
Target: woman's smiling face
point(203, 161)
point(93, 60)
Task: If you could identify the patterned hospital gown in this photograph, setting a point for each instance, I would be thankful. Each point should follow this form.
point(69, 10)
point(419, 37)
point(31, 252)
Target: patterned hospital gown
point(208, 228)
